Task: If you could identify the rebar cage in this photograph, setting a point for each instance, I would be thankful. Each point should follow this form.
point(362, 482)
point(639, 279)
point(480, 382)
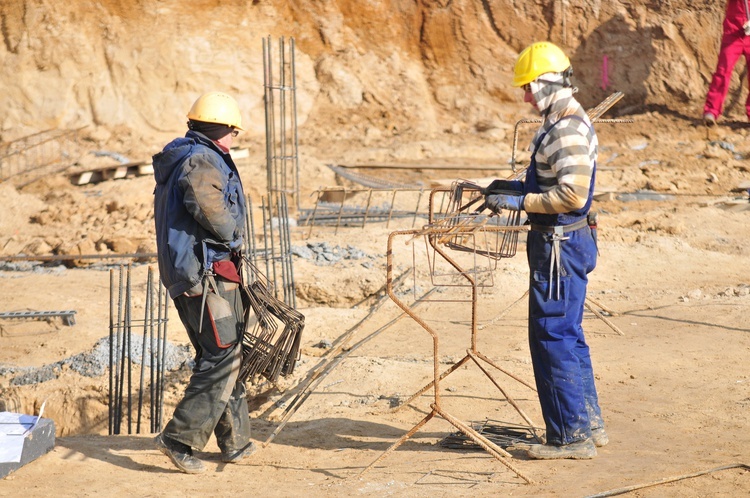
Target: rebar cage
point(458, 223)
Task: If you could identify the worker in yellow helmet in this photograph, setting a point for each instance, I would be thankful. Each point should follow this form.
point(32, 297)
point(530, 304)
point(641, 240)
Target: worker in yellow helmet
point(199, 211)
point(561, 248)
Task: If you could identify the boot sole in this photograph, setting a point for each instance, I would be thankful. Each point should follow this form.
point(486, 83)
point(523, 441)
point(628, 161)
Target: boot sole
point(163, 448)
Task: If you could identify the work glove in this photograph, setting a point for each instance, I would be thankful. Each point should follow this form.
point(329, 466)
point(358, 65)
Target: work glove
point(498, 202)
point(502, 187)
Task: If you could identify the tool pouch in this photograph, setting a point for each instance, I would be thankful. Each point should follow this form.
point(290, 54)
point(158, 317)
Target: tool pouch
point(222, 322)
point(593, 221)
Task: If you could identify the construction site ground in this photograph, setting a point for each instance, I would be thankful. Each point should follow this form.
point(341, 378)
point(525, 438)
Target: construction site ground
point(674, 387)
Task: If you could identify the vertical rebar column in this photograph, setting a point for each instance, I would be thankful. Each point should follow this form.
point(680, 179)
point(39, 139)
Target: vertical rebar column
point(152, 358)
point(142, 380)
point(119, 364)
point(282, 141)
point(282, 164)
point(110, 404)
point(160, 317)
point(129, 335)
point(290, 296)
point(269, 111)
point(163, 355)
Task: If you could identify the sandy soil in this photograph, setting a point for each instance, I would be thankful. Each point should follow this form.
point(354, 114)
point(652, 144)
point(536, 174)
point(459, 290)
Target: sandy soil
point(674, 387)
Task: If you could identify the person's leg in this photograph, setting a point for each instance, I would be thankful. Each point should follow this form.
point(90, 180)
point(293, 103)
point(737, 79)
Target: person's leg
point(232, 431)
point(216, 370)
point(553, 342)
point(583, 267)
point(746, 53)
point(729, 53)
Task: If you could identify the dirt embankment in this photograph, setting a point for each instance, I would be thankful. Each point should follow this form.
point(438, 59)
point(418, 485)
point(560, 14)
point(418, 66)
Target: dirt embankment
point(128, 70)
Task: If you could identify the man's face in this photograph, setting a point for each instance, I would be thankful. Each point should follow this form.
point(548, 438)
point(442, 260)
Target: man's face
point(225, 142)
point(528, 96)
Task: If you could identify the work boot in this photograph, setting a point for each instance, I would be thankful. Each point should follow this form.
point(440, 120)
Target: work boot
point(709, 119)
point(599, 437)
point(236, 456)
point(580, 450)
point(180, 454)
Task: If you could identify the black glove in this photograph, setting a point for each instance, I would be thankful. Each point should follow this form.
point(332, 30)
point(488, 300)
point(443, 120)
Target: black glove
point(498, 202)
point(503, 186)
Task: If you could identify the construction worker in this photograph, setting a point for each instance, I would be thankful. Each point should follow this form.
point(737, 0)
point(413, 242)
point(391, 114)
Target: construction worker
point(199, 210)
point(561, 249)
point(735, 41)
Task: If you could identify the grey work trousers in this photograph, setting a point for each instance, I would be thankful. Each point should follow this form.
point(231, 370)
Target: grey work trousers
point(213, 401)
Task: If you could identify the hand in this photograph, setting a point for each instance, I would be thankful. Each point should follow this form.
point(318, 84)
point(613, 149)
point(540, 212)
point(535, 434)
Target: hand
point(236, 244)
point(502, 186)
point(498, 202)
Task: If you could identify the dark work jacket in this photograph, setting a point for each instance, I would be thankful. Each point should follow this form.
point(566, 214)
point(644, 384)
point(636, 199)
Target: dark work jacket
point(198, 201)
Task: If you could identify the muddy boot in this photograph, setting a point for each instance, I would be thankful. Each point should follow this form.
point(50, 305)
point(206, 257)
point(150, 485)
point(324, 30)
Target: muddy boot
point(180, 454)
point(580, 450)
point(599, 437)
point(236, 456)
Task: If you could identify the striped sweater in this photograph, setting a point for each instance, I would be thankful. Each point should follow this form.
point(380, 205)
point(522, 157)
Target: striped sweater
point(566, 158)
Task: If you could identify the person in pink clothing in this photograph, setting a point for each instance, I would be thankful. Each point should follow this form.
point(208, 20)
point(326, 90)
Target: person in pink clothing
point(734, 43)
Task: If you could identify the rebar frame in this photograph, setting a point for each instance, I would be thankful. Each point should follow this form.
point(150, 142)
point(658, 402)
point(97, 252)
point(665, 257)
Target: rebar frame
point(433, 234)
point(121, 329)
point(282, 159)
point(358, 214)
point(29, 158)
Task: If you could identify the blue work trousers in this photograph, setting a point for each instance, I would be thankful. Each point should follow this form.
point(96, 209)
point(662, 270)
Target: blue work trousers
point(559, 353)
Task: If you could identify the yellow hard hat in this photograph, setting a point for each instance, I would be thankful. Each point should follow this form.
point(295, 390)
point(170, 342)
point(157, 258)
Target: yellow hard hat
point(216, 107)
point(537, 59)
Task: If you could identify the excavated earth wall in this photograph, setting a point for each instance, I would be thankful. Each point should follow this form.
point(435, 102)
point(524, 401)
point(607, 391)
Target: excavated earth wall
point(128, 69)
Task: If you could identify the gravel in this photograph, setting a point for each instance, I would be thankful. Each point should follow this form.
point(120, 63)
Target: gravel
point(95, 363)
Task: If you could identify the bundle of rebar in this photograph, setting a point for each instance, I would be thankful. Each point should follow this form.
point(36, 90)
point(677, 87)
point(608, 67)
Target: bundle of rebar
point(504, 434)
point(273, 330)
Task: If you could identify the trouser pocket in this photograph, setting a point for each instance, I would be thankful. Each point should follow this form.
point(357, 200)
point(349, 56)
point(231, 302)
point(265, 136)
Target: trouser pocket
point(548, 298)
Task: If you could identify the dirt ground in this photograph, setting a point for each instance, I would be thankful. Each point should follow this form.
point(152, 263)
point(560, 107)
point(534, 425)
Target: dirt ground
point(674, 387)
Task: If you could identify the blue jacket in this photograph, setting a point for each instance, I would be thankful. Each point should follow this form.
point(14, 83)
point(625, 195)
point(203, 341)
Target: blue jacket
point(198, 202)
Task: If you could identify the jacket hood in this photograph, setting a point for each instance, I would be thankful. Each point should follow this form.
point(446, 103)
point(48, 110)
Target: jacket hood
point(176, 151)
point(168, 159)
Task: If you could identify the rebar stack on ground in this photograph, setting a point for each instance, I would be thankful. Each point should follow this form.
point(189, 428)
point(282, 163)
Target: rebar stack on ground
point(122, 326)
point(273, 331)
point(30, 158)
